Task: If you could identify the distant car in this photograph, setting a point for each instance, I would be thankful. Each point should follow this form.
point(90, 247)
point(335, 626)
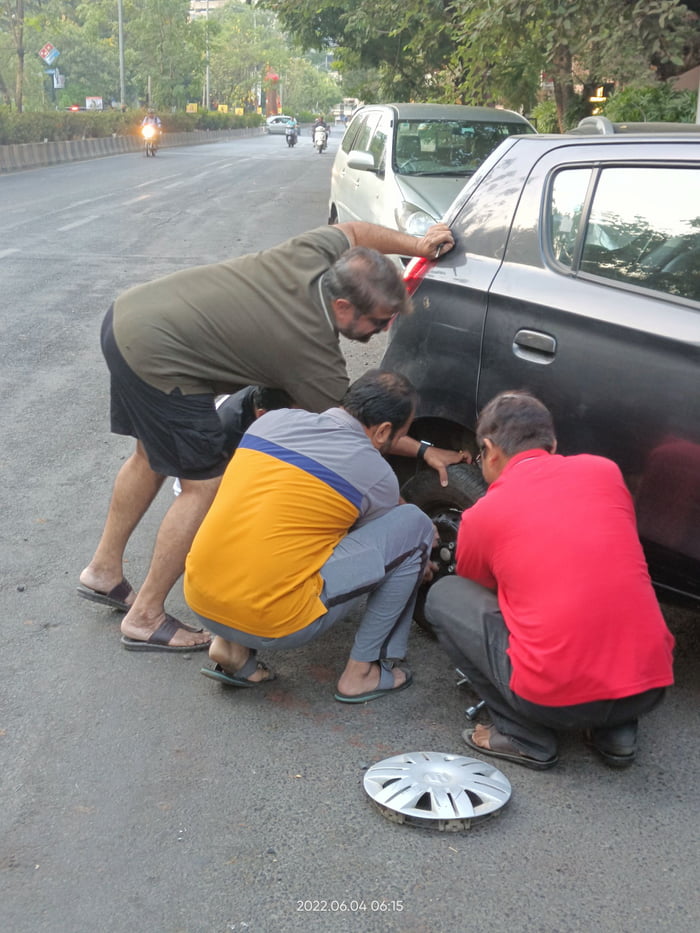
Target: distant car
point(575, 275)
point(402, 165)
point(276, 125)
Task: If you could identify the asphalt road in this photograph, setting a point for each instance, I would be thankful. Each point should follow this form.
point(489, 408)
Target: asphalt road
point(138, 795)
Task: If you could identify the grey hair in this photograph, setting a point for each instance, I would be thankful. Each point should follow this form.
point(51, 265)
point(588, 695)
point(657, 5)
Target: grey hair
point(369, 281)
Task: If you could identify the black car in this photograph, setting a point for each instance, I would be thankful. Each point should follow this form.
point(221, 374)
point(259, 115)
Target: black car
point(575, 275)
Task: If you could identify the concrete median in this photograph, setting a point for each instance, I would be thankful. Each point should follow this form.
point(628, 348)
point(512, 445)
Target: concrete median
point(19, 156)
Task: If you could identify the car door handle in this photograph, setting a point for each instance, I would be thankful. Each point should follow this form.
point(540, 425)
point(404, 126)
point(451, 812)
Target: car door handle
point(535, 346)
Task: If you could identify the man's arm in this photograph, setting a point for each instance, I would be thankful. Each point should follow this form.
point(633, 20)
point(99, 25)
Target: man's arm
point(439, 458)
point(438, 239)
point(472, 557)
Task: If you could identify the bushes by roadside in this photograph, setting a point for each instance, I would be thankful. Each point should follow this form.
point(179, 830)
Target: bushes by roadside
point(53, 126)
point(657, 102)
point(634, 104)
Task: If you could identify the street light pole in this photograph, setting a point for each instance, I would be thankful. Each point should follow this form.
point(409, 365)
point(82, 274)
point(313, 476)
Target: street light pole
point(206, 79)
point(122, 92)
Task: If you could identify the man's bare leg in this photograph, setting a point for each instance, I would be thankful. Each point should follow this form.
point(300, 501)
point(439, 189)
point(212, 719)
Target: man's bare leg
point(232, 656)
point(173, 543)
point(135, 488)
point(363, 676)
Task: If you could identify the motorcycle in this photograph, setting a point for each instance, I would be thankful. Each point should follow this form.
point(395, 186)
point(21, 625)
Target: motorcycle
point(149, 132)
point(291, 136)
point(320, 139)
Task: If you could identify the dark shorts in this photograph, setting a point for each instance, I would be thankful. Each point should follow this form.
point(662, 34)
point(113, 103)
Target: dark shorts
point(181, 434)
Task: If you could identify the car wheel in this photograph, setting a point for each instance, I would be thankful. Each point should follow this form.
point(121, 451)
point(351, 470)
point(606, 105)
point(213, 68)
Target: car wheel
point(444, 505)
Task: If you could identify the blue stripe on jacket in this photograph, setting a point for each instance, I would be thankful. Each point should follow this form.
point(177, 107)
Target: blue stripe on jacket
point(313, 467)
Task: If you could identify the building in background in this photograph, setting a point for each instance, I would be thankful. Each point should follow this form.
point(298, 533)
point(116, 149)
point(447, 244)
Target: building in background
point(203, 7)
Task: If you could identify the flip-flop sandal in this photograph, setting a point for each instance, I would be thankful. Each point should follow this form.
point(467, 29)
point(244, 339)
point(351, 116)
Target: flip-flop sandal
point(385, 685)
point(241, 678)
point(160, 639)
point(115, 598)
point(507, 751)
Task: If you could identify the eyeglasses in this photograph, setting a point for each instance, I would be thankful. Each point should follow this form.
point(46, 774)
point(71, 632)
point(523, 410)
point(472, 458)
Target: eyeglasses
point(478, 458)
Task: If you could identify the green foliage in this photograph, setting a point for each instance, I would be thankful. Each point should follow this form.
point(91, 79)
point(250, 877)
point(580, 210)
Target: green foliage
point(544, 117)
point(404, 41)
point(305, 88)
point(494, 52)
point(648, 103)
point(440, 50)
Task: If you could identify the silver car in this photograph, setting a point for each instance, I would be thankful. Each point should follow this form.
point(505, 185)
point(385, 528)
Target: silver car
point(402, 165)
point(277, 124)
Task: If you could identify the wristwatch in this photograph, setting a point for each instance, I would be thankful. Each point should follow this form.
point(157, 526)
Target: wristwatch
point(420, 455)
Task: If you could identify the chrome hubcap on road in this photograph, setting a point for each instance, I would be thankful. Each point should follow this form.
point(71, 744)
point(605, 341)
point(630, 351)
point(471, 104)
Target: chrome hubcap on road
point(436, 790)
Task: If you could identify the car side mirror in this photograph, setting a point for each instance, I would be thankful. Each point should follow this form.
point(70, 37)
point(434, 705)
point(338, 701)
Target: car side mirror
point(362, 161)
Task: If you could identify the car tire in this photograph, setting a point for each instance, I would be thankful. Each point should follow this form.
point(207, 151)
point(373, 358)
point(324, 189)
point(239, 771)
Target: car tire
point(444, 505)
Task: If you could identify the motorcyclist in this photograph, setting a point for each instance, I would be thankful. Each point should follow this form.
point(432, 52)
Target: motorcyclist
point(319, 122)
point(152, 118)
point(292, 129)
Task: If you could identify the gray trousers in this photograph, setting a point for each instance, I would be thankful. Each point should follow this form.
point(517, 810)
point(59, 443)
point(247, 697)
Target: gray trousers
point(470, 627)
point(384, 560)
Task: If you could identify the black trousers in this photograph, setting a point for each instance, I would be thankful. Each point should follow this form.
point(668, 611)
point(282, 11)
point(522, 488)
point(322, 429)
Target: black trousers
point(470, 627)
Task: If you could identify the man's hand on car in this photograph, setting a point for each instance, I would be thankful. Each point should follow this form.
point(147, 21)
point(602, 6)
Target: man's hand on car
point(436, 241)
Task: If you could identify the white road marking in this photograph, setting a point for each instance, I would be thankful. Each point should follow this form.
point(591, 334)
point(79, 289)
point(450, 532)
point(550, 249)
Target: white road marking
point(78, 223)
point(8, 252)
point(158, 181)
point(141, 197)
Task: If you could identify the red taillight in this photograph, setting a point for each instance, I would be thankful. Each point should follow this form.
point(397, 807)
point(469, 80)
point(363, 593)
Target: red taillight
point(415, 272)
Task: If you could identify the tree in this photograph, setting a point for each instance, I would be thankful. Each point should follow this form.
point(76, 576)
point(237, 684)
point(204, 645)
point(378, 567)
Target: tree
point(167, 51)
point(494, 52)
point(163, 49)
point(12, 18)
point(404, 40)
point(244, 42)
point(624, 39)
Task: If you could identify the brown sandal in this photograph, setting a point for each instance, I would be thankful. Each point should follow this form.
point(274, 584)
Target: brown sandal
point(500, 746)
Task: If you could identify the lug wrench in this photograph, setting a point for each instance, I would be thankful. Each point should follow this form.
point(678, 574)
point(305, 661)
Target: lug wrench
point(471, 712)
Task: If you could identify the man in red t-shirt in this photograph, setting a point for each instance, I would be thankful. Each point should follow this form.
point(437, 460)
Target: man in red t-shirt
point(552, 616)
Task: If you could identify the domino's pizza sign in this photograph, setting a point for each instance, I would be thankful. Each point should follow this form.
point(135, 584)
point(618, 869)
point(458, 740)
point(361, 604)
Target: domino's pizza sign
point(49, 53)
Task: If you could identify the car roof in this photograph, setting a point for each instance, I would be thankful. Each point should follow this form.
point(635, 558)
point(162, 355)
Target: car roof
point(549, 140)
point(598, 125)
point(450, 112)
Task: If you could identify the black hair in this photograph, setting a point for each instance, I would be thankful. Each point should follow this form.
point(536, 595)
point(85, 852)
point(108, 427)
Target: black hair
point(270, 399)
point(369, 281)
point(379, 396)
point(516, 421)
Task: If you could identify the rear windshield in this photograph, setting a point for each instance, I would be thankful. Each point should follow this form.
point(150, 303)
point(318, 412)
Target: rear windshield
point(448, 147)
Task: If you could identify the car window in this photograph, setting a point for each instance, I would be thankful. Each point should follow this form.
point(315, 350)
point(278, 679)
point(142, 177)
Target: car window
point(652, 240)
point(351, 133)
point(362, 141)
point(448, 147)
point(377, 145)
point(566, 210)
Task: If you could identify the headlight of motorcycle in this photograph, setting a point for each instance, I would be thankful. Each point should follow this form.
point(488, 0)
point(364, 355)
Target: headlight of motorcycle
point(411, 219)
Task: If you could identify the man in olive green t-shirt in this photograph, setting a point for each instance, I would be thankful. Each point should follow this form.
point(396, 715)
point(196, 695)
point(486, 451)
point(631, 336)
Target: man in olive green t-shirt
point(270, 318)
